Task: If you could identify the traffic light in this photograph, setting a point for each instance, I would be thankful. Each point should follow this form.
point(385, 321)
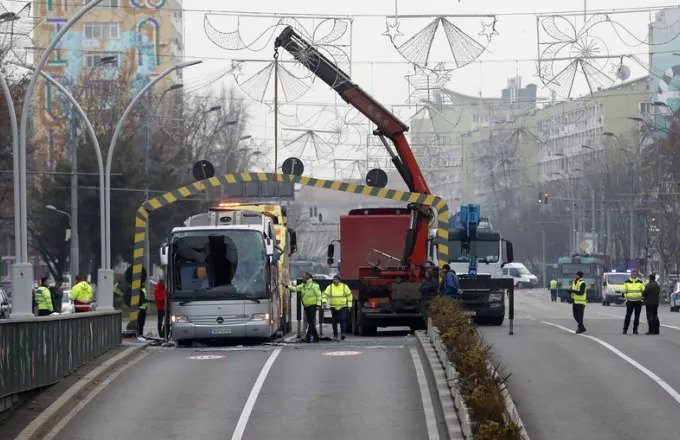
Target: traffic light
point(540, 198)
point(545, 198)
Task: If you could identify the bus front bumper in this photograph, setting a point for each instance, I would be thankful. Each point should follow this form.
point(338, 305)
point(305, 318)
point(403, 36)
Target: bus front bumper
point(245, 329)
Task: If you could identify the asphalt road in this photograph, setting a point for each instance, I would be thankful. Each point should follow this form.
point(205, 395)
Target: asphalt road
point(604, 385)
point(357, 388)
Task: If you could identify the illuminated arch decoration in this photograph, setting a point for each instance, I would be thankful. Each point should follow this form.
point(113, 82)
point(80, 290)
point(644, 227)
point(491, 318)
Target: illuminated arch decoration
point(140, 4)
point(149, 28)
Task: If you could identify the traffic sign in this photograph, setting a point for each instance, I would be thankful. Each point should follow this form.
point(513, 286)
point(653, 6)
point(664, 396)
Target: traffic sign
point(203, 170)
point(376, 178)
point(293, 166)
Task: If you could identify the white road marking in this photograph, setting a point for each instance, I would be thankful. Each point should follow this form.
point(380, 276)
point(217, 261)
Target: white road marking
point(204, 357)
point(670, 326)
point(252, 398)
point(341, 353)
point(430, 421)
point(662, 383)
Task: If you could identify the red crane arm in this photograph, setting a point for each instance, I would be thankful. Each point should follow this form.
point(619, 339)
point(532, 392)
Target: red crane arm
point(388, 124)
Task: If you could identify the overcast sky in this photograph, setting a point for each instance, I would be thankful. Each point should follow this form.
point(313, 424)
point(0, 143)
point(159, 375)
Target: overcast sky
point(381, 70)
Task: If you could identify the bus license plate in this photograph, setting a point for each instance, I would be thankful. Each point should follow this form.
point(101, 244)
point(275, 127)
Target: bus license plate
point(469, 313)
point(220, 331)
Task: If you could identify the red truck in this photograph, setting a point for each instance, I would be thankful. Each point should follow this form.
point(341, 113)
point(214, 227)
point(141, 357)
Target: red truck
point(383, 250)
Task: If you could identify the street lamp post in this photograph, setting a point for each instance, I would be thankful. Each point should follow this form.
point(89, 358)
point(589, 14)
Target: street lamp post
point(22, 270)
point(105, 290)
point(73, 135)
point(69, 236)
point(631, 228)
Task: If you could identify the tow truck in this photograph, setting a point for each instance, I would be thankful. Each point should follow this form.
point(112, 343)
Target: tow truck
point(383, 250)
point(477, 253)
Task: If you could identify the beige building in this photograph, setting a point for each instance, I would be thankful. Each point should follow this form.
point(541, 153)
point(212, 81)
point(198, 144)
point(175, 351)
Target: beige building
point(137, 38)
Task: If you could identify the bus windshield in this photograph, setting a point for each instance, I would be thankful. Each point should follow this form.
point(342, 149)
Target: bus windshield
point(217, 265)
point(571, 269)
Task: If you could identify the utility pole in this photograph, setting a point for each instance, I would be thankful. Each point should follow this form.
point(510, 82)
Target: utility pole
point(592, 221)
point(609, 232)
point(147, 141)
point(631, 252)
point(75, 245)
point(545, 274)
point(572, 234)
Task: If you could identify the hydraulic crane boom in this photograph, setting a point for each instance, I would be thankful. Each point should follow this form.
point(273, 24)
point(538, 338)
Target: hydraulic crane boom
point(388, 125)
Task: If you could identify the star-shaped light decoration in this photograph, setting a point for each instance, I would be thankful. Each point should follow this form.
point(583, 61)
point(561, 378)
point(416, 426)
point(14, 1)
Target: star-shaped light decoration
point(392, 29)
point(442, 74)
point(489, 29)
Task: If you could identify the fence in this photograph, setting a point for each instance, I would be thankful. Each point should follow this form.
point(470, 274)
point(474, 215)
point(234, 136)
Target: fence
point(36, 352)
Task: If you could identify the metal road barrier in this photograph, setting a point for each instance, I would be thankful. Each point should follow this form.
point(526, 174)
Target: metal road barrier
point(35, 352)
point(214, 182)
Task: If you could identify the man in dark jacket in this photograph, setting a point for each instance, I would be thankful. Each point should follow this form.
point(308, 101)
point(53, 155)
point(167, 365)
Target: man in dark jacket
point(57, 293)
point(450, 284)
point(651, 298)
point(428, 289)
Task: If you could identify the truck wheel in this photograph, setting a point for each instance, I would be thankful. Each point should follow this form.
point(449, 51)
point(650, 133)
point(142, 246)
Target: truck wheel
point(368, 330)
point(354, 320)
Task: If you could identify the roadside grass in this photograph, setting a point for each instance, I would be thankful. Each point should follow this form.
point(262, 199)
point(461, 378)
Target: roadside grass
point(480, 388)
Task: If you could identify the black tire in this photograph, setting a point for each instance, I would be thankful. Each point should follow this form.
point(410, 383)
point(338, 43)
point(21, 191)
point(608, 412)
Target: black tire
point(354, 320)
point(368, 330)
point(519, 285)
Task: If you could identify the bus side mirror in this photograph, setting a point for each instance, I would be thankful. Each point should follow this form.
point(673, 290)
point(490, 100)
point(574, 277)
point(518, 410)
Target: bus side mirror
point(269, 247)
point(293, 241)
point(164, 255)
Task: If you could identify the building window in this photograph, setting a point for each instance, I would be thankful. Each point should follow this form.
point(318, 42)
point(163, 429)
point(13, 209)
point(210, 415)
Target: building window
point(107, 3)
point(94, 58)
point(106, 31)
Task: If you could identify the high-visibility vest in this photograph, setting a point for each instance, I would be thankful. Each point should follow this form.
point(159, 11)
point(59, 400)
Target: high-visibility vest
point(340, 296)
point(311, 293)
point(144, 300)
point(553, 284)
point(43, 299)
point(81, 292)
point(578, 298)
point(632, 289)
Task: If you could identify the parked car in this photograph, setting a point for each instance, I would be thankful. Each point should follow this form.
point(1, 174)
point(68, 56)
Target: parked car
point(5, 306)
point(612, 287)
point(66, 304)
point(521, 275)
point(675, 298)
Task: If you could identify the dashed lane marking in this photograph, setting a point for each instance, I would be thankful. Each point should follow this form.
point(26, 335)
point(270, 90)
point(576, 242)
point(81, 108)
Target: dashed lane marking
point(662, 383)
point(341, 353)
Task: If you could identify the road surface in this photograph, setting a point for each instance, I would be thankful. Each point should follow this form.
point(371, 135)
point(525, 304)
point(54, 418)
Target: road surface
point(604, 385)
point(358, 388)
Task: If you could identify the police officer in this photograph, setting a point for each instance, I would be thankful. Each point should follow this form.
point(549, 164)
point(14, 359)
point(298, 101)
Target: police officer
point(632, 292)
point(553, 290)
point(43, 298)
point(143, 306)
point(579, 299)
point(81, 295)
point(311, 301)
point(340, 297)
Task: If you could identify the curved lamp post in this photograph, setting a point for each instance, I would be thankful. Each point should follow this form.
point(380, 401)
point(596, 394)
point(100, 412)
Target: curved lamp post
point(105, 291)
point(22, 270)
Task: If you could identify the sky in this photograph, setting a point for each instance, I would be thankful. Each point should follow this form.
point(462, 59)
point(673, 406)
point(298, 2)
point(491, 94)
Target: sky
point(380, 69)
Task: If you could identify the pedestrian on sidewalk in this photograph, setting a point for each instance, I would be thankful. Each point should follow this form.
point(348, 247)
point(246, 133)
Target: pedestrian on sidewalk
point(311, 301)
point(42, 298)
point(632, 292)
point(57, 294)
point(340, 297)
point(428, 289)
point(159, 295)
point(553, 290)
point(650, 296)
point(579, 299)
point(81, 295)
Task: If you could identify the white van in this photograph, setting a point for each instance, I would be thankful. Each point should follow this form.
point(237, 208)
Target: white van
point(521, 275)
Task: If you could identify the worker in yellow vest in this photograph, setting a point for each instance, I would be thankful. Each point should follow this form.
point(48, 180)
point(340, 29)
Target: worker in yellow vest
point(579, 299)
point(81, 295)
point(632, 292)
point(311, 301)
point(340, 297)
point(43, 298)
point(553, 290)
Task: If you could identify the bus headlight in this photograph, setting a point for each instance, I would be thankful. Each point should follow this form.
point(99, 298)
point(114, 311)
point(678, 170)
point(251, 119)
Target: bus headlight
point(494, 297)
point(260, 317)
point(179, 318)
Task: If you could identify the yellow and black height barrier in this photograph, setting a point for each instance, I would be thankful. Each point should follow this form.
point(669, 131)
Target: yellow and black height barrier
point(197, 187)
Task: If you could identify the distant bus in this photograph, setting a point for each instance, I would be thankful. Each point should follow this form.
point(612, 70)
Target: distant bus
point(592, 267)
